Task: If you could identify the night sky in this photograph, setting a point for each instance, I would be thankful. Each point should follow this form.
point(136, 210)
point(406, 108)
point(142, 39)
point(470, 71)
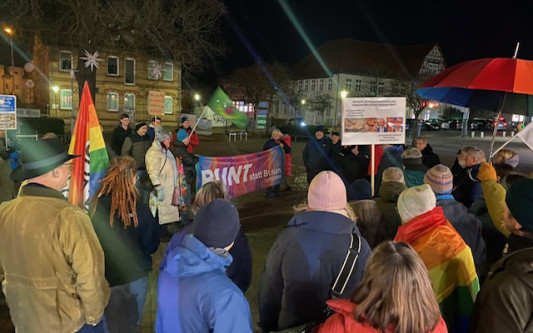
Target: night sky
point(262, 29)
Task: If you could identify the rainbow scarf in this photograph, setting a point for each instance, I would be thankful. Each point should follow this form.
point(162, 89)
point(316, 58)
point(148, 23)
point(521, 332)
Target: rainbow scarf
point(87, 141)
point(449, 262)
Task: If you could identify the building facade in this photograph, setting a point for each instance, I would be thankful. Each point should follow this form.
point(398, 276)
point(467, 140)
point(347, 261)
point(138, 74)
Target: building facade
point(350, 68)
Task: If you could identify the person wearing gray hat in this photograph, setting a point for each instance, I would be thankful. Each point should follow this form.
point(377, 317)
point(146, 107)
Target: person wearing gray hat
point(194, 293)
point(51, 262)
point(505, 302)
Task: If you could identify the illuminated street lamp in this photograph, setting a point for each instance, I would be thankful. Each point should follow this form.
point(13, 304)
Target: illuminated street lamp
point(302, 103)
point(55, 89)
point(344, 93)
point(9, 31)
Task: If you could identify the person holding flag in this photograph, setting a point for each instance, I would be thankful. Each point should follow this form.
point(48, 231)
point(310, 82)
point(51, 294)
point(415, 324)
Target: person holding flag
point(222, 105)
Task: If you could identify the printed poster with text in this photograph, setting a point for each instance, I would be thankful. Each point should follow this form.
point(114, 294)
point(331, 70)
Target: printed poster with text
point(373, 120)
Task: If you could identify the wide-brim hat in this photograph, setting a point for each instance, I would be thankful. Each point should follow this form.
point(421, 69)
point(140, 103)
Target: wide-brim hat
point(39, 158)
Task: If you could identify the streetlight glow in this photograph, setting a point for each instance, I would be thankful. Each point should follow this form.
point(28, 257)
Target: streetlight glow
point(197, 97)
point(8, 30)
point(55, 89)
point(344, 93)
point(303, 101)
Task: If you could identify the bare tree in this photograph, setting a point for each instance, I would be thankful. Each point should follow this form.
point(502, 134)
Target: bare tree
point(407, 90)
point(321, 103)
point(182, 30)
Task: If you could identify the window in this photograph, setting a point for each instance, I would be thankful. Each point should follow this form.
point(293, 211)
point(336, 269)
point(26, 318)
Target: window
point(65, 99)
point(373, 86)
point(381, 87)
point(154, 70)
point(320, 84)
point(168, 71)
point(306, 85)
point(330, 84)
point(300, 83)
point(129, 102)
point(358, 85)
point(112, 101)
point(65, 60)
point(129, 71)
point(349, 84)
point(112, 65)
point(313, 85)
point(168, 105)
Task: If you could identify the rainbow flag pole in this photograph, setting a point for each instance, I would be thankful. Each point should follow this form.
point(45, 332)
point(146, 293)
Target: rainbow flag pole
point(87, 141)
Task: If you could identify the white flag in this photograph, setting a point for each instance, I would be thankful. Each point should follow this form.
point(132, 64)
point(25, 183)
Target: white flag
point(527, 135)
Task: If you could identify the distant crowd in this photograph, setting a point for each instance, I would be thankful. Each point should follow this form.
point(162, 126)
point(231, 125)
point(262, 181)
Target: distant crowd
point(434, 249)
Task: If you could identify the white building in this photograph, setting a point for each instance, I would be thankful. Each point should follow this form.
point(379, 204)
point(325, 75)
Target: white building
point(353, 69)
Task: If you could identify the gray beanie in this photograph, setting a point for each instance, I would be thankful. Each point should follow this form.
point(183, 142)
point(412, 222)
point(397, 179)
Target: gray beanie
point(161, 136)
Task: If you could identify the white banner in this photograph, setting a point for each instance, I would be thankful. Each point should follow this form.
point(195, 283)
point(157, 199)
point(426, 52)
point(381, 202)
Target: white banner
point(373, 120)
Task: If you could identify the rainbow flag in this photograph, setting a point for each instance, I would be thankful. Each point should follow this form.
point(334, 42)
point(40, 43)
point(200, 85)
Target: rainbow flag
point(449, 262)
point(222, 105)
point(87, 141)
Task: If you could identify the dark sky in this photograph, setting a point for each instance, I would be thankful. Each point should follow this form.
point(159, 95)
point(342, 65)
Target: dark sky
point(464, 29)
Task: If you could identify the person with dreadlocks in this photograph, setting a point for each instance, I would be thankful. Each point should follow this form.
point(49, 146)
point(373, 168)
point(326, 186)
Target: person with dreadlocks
point(129, 234)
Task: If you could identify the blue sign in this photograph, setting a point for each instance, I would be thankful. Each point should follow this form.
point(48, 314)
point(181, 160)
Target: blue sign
point(8, 112)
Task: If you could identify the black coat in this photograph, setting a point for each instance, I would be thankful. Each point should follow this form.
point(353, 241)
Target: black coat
point(271, 143)
point(316, 157)
point(301, 268)
point(118, 137)
point(466, 187)
point(429, 158)
point(189, 160)
point(336, 155)
point(354, 167)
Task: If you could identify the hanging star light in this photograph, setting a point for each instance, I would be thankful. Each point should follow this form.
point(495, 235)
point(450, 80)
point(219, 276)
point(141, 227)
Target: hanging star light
point(156, 71)
point(91, 60)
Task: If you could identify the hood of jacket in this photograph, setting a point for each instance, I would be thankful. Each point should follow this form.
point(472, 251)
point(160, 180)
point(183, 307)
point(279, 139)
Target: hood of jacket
point(421, 225)
point(323, 221)
point(193, 258)
point(390, 191)
point(428, 150)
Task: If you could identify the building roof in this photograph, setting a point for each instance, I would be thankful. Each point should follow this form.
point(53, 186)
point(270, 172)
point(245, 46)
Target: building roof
point(363, 58)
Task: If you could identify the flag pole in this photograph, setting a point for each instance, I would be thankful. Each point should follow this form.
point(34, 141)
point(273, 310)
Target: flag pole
point(502, 146)
point(197, 121)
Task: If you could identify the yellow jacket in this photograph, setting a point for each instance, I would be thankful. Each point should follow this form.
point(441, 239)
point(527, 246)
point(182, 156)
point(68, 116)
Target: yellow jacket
point(51, 263)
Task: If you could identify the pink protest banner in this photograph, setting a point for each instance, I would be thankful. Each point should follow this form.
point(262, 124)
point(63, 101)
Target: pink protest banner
point(243, 173)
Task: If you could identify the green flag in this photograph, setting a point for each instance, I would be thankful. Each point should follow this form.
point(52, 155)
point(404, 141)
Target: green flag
point(222, 105)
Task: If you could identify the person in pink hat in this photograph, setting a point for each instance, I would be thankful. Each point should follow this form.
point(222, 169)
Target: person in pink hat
point(307, 257)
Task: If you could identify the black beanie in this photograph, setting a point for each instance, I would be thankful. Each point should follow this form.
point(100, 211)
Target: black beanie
point(217, 224)
point(519, 199)
point(139, 125)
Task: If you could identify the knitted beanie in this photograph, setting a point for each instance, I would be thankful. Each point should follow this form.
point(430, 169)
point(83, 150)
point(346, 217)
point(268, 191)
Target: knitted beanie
point(360, 189)
point(415, 201)
point(161, 136)
point(217, 224)
point(326, 192)
point(440, 179)
point(182, 134)
point(139, 125)
point(519, 199)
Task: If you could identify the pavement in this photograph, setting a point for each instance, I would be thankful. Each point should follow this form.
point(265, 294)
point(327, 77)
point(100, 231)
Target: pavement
point(262, 218)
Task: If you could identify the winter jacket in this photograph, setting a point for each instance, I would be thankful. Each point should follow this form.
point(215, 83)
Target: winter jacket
point(354, 167)
point(392, 157)
point(240, 270)
point(189, 160)
point(193, 139)
point(162, 169)
point(494, 195)
point(449, 262)
point(429, 158)
point(466, 187)
point(336, 155)
point(302, 266)
point(195, 295)
point(271, 143)
point(466, 224)
point(316, 156)
point(343, 321)
point(117, 139)
point(51, 263)
point(128, 250)
point(136, 146)
point(414, 175)
point(505, 302)
point(388, 198)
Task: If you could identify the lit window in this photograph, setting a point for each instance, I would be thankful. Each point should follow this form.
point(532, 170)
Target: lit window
point(129, 71)
point(65, 99)
point(168, 71)
point(168, 105)
point(112, 66)
point(112, 101)
point(129, 102)
point(65, 60)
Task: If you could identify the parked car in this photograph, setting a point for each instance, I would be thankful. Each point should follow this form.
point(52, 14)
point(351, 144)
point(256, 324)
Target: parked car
point(432, 124)
point(445, 125)
point(482, 124)
point(503, 125)
point(456, 124)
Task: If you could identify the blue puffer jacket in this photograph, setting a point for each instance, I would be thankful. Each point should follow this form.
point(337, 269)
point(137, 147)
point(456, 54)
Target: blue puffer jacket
point(301, 268)
point(194, 294)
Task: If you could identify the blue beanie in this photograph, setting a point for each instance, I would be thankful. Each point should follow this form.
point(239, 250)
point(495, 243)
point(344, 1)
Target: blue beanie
point(182, 134)
point(217, 224)
point(360, 189)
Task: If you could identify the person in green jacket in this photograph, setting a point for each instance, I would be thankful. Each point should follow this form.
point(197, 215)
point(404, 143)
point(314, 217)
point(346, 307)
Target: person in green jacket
point(413, 169)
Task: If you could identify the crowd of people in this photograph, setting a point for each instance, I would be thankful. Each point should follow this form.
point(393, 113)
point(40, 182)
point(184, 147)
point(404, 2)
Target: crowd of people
point(434, 249)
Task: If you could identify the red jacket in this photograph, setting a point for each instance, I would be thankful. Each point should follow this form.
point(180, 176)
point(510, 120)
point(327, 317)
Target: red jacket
point(343, 321)
point(193, 141)
point(288, 159)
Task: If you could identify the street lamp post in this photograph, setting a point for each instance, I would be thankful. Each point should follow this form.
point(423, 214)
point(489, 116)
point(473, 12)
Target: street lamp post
point(55, 89)
point(10, 32)
point(302, 103)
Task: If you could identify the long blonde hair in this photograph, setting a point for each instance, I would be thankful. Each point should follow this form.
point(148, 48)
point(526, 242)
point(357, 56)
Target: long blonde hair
point(396, 289)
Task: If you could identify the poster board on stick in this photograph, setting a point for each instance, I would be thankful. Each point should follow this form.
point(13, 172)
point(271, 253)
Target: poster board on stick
point(373, 120)
point(156, 103)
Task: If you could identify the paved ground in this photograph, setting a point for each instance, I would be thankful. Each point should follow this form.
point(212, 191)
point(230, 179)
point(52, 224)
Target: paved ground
point(262, 218)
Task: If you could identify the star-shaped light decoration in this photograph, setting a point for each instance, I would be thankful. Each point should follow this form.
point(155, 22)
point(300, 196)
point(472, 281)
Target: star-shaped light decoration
point(91, 60)
point(156, 71)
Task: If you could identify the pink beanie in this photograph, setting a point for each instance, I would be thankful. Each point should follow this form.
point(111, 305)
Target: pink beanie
point(326, 192)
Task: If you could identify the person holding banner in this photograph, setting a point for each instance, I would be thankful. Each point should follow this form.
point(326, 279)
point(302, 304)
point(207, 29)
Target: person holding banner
point(316, 154)
point(275, 140)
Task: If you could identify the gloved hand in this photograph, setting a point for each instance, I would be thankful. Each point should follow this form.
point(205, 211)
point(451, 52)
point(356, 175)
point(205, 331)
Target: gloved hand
point(160, 193)
point(486, 172)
